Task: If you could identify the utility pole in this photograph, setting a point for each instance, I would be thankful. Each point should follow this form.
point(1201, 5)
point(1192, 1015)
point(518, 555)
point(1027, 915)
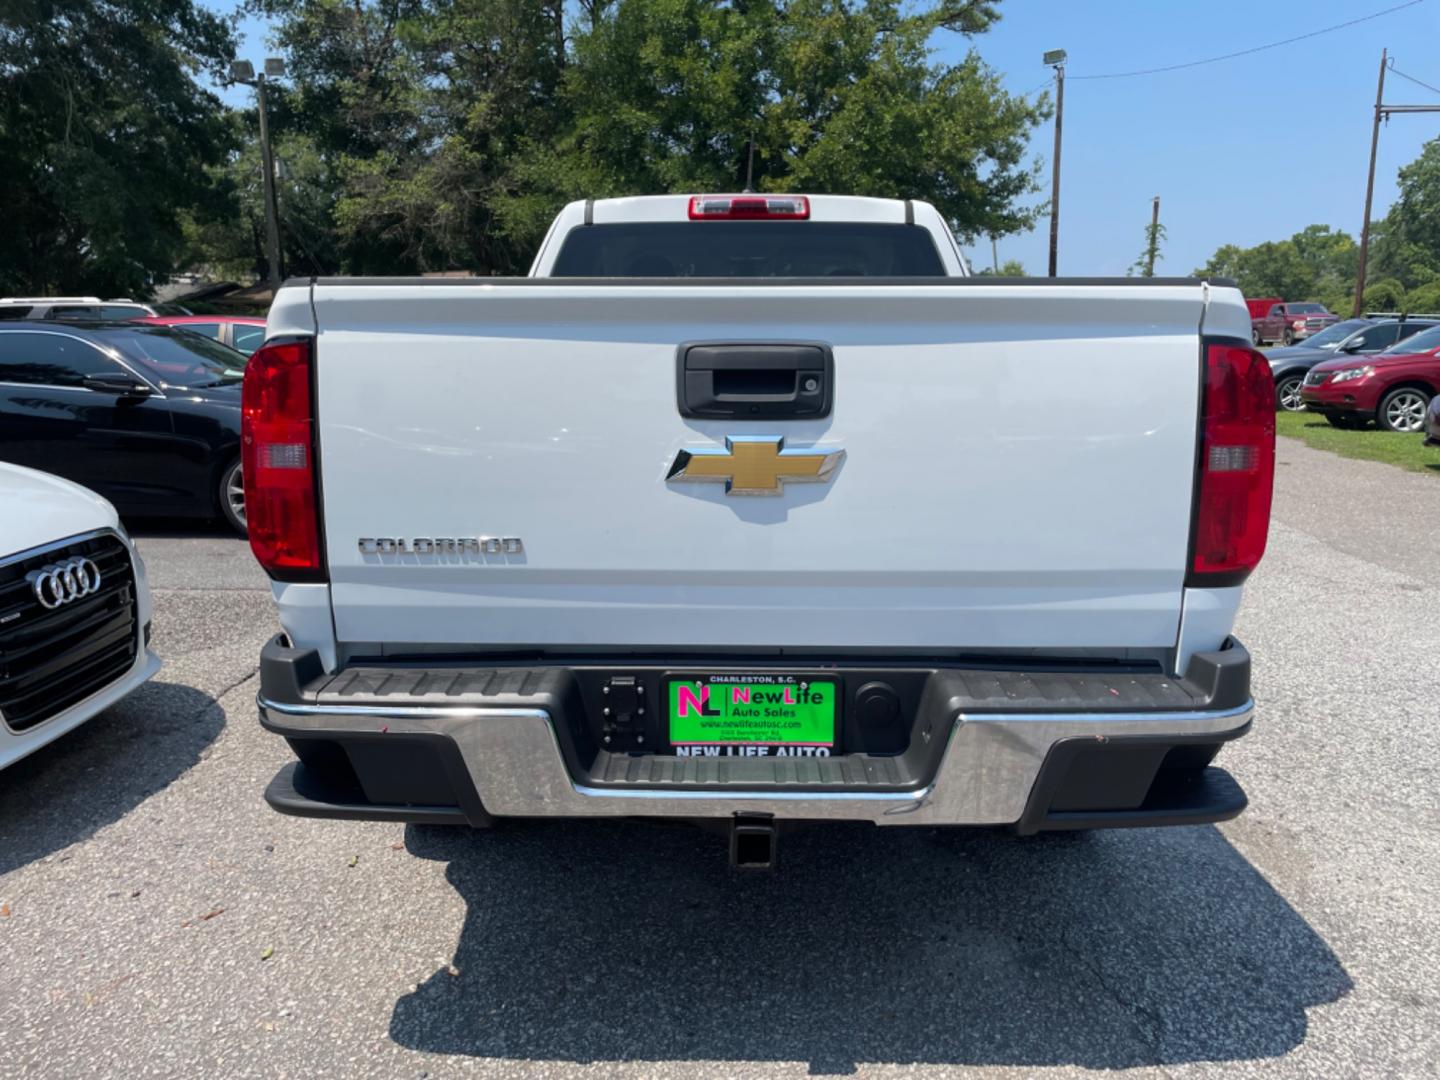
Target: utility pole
point(1369, 193)
point(1153, 240)
point(1382, 111)
point(242, 71)
point(1056, 59)
point(272, 223)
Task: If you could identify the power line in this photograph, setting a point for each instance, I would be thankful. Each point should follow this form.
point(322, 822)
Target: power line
point(1396, 71)
point(1256, 49)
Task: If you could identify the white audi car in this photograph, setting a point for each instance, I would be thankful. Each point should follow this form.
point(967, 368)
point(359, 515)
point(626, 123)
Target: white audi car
point(74, 610)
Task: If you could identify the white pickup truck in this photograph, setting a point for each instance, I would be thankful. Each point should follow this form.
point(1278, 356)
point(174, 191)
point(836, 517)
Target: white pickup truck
point(758, 509)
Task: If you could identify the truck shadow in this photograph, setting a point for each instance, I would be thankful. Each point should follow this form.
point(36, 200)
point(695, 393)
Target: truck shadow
point(612, 941)
point(94, 775)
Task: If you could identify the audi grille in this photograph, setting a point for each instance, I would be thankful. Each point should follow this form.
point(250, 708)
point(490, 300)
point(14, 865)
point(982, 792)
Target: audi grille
point(68, 626)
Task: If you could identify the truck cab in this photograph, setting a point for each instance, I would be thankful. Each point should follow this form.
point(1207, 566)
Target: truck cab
point(764, 236)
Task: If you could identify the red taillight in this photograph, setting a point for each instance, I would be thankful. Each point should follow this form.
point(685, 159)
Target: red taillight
point(277, 447)
point(751, 207)
point(1237, 465)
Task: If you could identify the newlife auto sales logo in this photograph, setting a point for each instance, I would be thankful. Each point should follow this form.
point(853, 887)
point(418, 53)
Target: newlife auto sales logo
point(761, 716)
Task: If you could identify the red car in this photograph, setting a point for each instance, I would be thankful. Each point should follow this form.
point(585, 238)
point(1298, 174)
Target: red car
point(1392, 388)
point(243, 332)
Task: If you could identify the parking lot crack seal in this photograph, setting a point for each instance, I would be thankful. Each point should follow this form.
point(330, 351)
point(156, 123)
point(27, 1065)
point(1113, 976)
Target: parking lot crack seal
point(214, 751)
point(241, 681)
point(1148, 1020)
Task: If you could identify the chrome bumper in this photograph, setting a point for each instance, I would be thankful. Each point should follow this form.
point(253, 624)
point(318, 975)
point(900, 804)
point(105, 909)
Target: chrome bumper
point(989, 767)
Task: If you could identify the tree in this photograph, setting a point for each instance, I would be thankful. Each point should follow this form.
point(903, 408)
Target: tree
point(1008, 268)
point(1387, 295)
point(1276, 269)
point(1407, 245)
point(105, 139)
point(1144, 266)
point(668, 94)
point(454, 129)
point(1315, 263)
point(231, 244)
point(420, 108)
point(1424, 299)
point(1329, 252)
point(1224, 263)
point(357, 93)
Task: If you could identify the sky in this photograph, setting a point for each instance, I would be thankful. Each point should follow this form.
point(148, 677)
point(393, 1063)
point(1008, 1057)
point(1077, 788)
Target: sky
point(1241, 151)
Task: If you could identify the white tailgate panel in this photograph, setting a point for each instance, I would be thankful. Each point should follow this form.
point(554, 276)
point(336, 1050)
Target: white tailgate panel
point(1018, 472)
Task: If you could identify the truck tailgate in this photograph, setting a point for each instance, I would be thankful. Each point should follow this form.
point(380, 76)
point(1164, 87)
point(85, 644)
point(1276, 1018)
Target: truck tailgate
point(1017, 471)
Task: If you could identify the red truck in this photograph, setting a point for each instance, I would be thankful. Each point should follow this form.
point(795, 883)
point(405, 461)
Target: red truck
point(1288, 322)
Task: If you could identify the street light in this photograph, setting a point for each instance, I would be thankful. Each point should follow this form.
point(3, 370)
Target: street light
point(1055, 58)
point(243, 71)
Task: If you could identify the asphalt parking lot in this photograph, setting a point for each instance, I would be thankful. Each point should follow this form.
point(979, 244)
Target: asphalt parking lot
point(157, 919)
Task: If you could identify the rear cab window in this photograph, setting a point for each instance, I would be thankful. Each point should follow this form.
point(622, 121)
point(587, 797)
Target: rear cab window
point(748, 249)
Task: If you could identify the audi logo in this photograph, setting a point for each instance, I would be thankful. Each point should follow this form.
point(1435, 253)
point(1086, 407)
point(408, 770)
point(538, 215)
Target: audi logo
point(65, 582)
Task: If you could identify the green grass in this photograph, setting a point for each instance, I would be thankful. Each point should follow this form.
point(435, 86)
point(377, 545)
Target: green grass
point(1371, 444)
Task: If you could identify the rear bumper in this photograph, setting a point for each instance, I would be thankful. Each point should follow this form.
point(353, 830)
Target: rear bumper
point(519, 752)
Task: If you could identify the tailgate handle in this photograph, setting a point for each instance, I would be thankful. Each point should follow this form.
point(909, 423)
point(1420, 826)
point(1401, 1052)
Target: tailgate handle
point(719, 380)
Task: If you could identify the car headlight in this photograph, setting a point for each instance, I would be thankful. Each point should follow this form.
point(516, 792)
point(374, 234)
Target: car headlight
point(1353, 373)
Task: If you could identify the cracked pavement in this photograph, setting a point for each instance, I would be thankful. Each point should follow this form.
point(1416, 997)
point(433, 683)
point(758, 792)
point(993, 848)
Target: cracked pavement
point(143, 884)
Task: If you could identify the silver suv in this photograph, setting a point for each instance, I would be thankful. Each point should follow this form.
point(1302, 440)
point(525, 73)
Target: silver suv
point(72, 307)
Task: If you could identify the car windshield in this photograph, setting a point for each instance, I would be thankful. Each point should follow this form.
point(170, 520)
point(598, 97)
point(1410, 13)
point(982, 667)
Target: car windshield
point(177, 357)
point(1421, 342)
point(1307, 309)
point(1335, 333)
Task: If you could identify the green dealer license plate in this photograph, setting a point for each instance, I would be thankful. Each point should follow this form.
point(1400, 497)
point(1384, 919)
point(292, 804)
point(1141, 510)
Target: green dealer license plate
point(751, 715)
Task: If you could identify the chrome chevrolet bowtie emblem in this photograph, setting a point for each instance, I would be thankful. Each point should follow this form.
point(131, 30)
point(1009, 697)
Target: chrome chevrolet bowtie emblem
point(755, 465)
